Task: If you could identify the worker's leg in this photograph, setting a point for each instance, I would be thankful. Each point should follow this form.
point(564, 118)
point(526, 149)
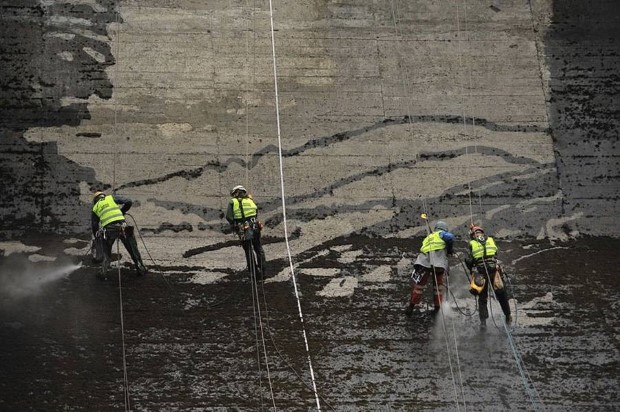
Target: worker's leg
point(417, 289)
point(502, 298)
point(438, 283)
point(131, 245)
point(107, 241)
point(260, 253)
point(483, 311)
point(249, 258)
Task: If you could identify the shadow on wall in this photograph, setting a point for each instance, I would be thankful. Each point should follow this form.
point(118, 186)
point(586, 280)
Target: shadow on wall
point(53, 61)
point(581, 48)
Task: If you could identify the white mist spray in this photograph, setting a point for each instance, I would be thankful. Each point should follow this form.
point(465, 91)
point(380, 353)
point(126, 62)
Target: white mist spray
point(27, 281)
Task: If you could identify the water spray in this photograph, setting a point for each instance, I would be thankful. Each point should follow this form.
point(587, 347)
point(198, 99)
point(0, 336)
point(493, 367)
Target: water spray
point(29, 281)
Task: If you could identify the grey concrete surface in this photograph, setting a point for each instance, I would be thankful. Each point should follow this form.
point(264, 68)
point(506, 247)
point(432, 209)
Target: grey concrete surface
point(503, 113)
point(394, 97)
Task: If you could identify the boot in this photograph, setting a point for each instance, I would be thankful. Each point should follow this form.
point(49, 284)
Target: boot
point(103, 271)
point(259, 273)
point(258, 276)
point(483, 324)
point(141, 270)
point(409, 310)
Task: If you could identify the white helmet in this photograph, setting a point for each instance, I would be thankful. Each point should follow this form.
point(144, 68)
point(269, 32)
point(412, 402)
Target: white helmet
point(236, 189)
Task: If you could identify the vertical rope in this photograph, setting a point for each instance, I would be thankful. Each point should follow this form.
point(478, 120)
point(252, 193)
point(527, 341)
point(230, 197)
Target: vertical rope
point(456, 346)
point(115, 110)
point(445, 332)
point(120, 286)
point(405, 86)
point(120, 295)
point(463, 116)
point(258, 324)
point(249, 87)
point(282, 193)
point(528, 384)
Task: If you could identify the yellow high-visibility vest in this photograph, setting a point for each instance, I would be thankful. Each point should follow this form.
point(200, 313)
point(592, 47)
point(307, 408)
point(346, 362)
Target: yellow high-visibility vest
point(433, 242)
point(108, 211)
point(248, 205)
point(478, 249)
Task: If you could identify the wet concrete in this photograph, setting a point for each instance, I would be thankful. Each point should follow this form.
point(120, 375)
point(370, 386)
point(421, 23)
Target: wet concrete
point(192, 345)
point(582, 54)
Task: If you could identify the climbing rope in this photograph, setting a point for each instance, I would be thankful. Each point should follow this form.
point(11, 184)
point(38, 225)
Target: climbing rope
point(120, 298)
point(473, 119)
point(114, 164)
point(443, 322)
point(284, 219)
point(456, 349)
point(527, 382)
point(456, 304)
point(405, 86)
point(260, 341)
point(258, 326)
point(279, 353)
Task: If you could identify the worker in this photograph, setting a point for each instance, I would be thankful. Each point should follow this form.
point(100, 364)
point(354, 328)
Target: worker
point(242, 215)
point(431, 262)
point(108, 224)
point(482, 262)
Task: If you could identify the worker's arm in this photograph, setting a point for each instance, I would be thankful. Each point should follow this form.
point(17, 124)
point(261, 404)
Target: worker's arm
point(123, 202)
point(469, 257)
point(449, 239)
point(229, 213)
point(94, 223)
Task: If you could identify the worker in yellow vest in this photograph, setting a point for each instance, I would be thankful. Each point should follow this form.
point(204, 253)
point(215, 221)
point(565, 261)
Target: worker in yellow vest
point(242, 215)
point(431, 262)
point(108, 224)
point(482, 261)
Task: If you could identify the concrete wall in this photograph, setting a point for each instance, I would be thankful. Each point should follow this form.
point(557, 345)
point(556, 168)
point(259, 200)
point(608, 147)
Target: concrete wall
point(505, 115)
point(502, 115)
point(581, 53)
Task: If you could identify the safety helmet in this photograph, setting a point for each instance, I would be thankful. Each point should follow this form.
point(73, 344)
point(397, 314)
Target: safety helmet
point(473, 233)
point(97, 195)
point(477, 283)
point(236, 189)
point(441, 225)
